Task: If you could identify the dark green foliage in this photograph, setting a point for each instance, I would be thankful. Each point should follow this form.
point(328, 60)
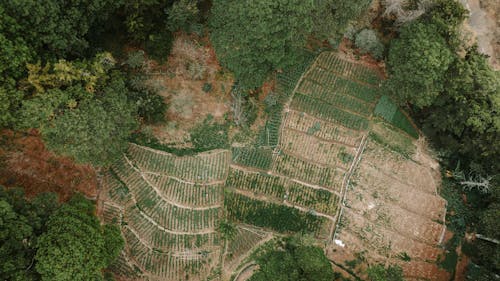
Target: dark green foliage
point(379, 273)
point(417, 63)
point(182, 15)
point(207, 87)
point(277, 217)
point(209, 135)
point(331, 17)
point(464, 120)
point(158, 45)
point(391, 113)
point(227, 230)
point(75, 245)
point(293, 260)
point(254, 38)
point(54, 28)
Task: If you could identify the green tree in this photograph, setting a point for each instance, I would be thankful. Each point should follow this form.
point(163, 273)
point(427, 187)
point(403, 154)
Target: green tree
point(367, 40)
point(294, 260)
point(252, 38)
point(380, 273)
point(55, 28)
point(417, 64)
point(182, 15)
point(331, 17)
point(74, 245)
point(464, 120)
point(21, 222)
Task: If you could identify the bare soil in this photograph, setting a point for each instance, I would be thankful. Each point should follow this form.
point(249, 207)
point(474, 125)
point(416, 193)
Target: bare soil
point(26, 163)
point(191, 65)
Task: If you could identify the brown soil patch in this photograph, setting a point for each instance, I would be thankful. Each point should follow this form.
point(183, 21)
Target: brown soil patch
point(191, 66)
point(26, 163)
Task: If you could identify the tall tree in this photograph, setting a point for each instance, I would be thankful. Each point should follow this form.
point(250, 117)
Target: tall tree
point(75, 246)
point(252, 38)
point(418, 62)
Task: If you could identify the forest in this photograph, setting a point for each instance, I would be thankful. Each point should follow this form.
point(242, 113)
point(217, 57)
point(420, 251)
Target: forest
point(78, 77)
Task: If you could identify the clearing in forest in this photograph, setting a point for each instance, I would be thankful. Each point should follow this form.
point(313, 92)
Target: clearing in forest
point(335, 158)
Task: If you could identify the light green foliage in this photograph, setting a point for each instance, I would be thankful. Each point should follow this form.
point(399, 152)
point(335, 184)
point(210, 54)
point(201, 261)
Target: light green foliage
point(75, 245)
point(254, 38)
point(91, 128)
point(331, 17)
point(367, 40)
point(209, 135)
point(379, 273)
point(294, 260)
point(418, 61)
point(182, 15)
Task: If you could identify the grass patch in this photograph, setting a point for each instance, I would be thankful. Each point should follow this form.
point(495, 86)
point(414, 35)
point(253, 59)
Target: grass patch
point(390, 112)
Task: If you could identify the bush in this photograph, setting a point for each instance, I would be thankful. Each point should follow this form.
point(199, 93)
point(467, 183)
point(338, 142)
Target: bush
point(367, 41)
point(158, 45)
point(210, 135)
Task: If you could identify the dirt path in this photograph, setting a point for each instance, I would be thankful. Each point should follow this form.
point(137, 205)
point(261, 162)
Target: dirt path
point(246, 272)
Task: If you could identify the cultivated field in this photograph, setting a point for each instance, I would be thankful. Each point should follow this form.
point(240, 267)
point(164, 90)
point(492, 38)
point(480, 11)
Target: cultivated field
point(335, 158)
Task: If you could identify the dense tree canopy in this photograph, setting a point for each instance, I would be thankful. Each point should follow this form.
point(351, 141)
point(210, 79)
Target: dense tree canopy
point(253, 38)
point(295, 261)
point(418, 62)
point(75, 245)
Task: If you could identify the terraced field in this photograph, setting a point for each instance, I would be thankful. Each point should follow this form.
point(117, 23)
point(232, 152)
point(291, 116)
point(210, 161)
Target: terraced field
point(336, 158)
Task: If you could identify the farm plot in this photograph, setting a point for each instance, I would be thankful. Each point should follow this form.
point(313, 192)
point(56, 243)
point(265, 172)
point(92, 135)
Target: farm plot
point(315, 150)
point(205, 167)
point(374, 186)
point(187, 194)
point(277, 217)
point(398, 167)
point(338, 100)
point(246, 239)
point(383, 241)
point(305, 171)
point(191, 265)
point(352, 71)
point(166, 213)
point(283, 190)
point(257, 157)
point(327, 112)
point(321, 129)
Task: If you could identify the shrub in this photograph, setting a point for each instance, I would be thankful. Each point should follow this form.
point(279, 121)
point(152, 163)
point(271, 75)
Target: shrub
point(368, 42)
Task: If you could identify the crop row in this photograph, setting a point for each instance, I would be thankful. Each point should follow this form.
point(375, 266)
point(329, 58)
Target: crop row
point(296, 168)
point(269, 215)
point(201, 168)
point(122, 267)
point(335, 98)
point(256, 157)
point(282, 189)
point(390, 112)
point(325, 111)
point(167, 266)
point(315, 150)
point(242, 242)
point(321, 129)
point(187, 194)
point(344, 86)
point(111, 214)
point(169, 216)
point(269, 134)
point(348, 69)
point(165, 241)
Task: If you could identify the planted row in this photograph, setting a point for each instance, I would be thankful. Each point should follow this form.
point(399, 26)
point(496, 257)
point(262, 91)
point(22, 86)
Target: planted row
point(390, 112)
point(350, 70)
point(269, 215)
point(256, 157)
point(323, 110)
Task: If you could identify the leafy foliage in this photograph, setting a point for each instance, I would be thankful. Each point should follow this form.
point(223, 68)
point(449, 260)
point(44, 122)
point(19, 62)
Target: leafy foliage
point(464, 119)
point(368, 42)
point(418, 61)
point(253, 38)
point(379, 273)
point(75, 245)
point(182, 15)
point(209, 135)
point(331, 17)
point(293, 260)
